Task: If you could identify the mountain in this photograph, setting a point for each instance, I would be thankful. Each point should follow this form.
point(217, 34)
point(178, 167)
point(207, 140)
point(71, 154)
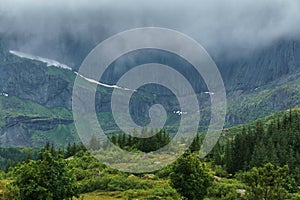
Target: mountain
point(35, 92)
point(261, 66)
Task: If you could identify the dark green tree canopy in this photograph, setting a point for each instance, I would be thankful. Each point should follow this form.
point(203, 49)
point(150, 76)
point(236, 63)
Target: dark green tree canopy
point(47, 178)
point(190, 178)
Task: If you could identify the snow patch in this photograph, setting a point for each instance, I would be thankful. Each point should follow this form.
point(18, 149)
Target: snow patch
point(210, 93)
point(4, 94)
point(103, 84)
point(178, 112)
point(49, 62)
point(55, 63)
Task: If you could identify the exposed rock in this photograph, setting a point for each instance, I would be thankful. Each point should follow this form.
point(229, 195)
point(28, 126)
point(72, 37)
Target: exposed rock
point(241, 191)
point(17, 130)
point(52, 88)
point(149, 176)
point(217, 179)
point(15, 136)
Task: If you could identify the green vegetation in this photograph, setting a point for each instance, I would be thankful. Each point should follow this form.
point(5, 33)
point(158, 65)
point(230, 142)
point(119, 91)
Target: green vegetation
point(273, 97)
point(189, 177)
point(12, 106)
point(158, 140)
point(43, 124)
point(266, 182)
point(64, 74)
point(259, 160)
point(278, 144)
point(47, 178)
point(12, 155)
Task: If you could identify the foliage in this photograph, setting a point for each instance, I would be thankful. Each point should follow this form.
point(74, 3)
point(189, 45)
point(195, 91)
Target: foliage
point(189, 177)
point(13, 108)
point(276, 142)
point(164, 172)
point(113, 183)
point(9, 156)
point(73, 149)
point(225, 191)
point(241, 155)
point(48, 178)
point(12, 192)
point(196, 144)
point(266, 183)
point(128, 142)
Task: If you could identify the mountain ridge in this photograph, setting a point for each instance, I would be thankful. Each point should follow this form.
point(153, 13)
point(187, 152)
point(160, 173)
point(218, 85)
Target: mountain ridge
point(248, 97)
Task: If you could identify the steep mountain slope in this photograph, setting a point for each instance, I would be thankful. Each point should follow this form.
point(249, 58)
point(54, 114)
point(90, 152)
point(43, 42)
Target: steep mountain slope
point(278, 95)
point(24, 123)
point(35, 97)
point(266, 121)
point(35, 100)
point(260, 67)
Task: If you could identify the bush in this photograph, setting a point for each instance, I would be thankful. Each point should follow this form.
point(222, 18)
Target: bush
point(47, 178)
point(2, 174)
point(164, 172)
point(190, 178)
point(114, 183)
point(266, 182)
point(80, 174)
point(220, 171)
point(295, 196)
point(224, 191)
point(92, 184)
point(164, 192)
point(11, 192)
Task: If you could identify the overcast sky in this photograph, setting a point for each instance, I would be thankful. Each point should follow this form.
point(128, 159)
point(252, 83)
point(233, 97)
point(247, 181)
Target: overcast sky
point(216, 24)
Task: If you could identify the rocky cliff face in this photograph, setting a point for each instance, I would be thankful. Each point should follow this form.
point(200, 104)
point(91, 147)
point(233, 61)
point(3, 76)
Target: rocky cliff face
point(18, 131)
point(41, 88)
point(53, 87)
point(34, 81)
point(260, 67)
point(257, 84)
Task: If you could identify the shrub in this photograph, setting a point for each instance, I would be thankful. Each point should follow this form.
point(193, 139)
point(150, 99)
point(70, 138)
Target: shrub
point(114, 183)
point(224, 191)
point(266, 182)
point(47, 178)
point(164, 192)
point(11, 192)
point(190, 178)
point(220, 171)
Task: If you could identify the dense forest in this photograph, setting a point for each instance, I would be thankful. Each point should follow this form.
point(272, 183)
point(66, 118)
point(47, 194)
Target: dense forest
point(259, 160)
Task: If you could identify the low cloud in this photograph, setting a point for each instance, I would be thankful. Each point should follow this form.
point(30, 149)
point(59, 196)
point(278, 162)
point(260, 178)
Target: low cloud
point(40, 26)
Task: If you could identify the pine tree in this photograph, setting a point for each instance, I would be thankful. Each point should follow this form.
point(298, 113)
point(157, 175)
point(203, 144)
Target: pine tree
point(259, 156)
point(239, 150)
point(217, 154)
point(52, 150)
point(69, 151)
point(228, 158)
point(271, 153)
point(195, 146)
point(114, 139)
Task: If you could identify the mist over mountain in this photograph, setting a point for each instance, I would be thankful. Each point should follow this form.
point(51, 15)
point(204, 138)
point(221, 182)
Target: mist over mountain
point(158, 123)
point(68, 30)
point(255, 44)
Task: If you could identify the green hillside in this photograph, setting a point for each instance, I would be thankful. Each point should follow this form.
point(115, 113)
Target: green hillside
point(258, 160)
